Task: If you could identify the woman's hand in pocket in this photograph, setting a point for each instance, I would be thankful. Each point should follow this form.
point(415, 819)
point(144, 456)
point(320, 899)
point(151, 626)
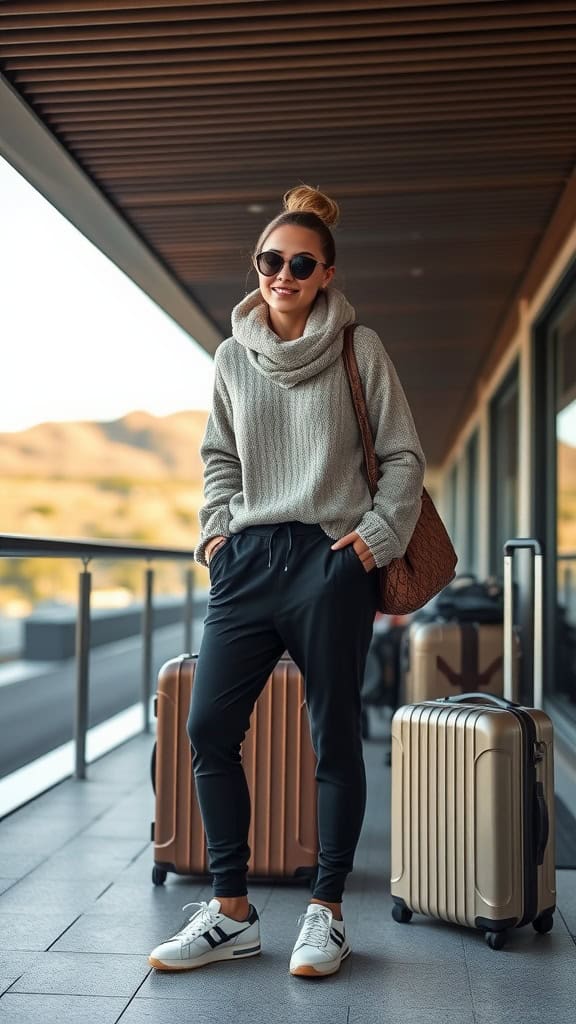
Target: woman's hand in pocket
point(361, 550)
point(213, 544)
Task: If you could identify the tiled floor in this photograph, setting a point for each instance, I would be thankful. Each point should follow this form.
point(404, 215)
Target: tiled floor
point(79, 913)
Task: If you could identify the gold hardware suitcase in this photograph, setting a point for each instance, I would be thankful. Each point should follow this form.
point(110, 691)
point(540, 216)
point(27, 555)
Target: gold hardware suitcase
point(279, 763)
point(473, 802)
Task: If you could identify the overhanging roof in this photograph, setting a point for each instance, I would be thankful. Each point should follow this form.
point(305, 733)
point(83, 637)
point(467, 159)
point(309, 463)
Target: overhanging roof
point(445, 130)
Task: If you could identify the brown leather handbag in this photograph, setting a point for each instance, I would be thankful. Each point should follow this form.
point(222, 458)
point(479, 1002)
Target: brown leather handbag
point(429, 562)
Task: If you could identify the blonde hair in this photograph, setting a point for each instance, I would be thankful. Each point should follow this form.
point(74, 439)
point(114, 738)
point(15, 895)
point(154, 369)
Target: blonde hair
point(306, 199)
point(307, 207)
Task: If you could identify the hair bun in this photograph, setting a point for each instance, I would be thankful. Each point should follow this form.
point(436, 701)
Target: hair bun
point(306, 199)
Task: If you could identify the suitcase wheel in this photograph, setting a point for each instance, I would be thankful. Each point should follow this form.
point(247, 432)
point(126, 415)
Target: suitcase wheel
point(401, 914)
point(158, 875)
point(544, 923)
point(496, 940)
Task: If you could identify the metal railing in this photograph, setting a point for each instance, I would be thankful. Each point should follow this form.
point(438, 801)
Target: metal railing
point(19, 546)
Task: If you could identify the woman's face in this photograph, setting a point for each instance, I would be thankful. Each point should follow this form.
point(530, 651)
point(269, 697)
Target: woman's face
point(283, 292)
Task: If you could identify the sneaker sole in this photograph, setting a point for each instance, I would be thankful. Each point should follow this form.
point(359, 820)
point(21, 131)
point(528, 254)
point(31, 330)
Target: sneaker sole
point(234, 953)
point(308, 971)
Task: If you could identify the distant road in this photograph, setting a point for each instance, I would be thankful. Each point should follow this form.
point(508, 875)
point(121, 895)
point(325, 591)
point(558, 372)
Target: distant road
point(37, 713)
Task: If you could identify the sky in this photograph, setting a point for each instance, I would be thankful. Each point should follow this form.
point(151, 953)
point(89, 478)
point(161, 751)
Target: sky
point(78, 339)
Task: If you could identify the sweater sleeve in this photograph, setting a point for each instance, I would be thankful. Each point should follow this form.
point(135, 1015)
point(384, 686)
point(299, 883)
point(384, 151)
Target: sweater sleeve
point(222, 468)
point(388, 526)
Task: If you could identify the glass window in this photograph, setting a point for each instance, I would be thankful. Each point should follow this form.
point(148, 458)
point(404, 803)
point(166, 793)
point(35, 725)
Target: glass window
point(453, 504)
point(503, 469)
point(564, 340)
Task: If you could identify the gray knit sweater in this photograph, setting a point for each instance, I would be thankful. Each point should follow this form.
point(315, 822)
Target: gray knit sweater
point(282, 441)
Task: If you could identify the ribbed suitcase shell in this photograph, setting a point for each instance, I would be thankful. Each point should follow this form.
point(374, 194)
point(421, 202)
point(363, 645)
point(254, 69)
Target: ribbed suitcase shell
point(279, 763)
point(461, 826)
point(451, 657)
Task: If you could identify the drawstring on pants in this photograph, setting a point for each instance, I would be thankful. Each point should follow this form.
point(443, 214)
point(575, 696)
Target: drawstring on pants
point(289, 546)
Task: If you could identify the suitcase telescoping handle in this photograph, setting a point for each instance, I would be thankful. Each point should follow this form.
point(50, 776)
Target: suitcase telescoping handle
point(480, 698)
point(536, 548)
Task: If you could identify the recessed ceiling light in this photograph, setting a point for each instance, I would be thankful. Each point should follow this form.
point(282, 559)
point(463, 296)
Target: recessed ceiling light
point(256, 208)
point(416, 271)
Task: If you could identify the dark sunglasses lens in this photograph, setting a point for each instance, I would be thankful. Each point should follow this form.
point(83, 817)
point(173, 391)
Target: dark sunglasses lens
point(302, 267)
point(269, 263)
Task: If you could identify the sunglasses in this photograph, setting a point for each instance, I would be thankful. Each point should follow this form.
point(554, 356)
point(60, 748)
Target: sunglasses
point(301, 266)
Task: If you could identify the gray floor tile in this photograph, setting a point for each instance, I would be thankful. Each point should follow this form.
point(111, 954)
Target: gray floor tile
point(85, 798)
point(139, 871)
point(13, 966)
point(523, 946)
point(403, 988)
point(120, 826)
point(119, 933)
point(538, 1013)
point(381, 1015)
point(284, 903)
point(177, 1011)
point(17, 863)
point(531, 972)
point(216, 983)
point(161, 899)
point(421, 941)
point(241, 983)
point(90, 858)
point(31, 931)
point(121, 848)
point(43, 833)
point(129, 765)
point(566, 884)
point(140, 797)
point(42, 1009)
point(33, 892)
point(400, 976)
point(83, 975)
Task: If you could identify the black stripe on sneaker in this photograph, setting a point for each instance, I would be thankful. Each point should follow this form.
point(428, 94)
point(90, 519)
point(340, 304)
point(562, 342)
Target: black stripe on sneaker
point(244, 952)
point(338, 939)
point(222, 936)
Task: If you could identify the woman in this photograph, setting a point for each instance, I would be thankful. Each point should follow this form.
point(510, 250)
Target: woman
point(291, 536)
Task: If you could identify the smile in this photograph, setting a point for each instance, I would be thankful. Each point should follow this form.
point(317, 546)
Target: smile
point(284, 291)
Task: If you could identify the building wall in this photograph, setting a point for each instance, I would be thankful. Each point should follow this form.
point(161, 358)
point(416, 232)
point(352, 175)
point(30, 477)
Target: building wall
point(519, 348)
point(527, 312)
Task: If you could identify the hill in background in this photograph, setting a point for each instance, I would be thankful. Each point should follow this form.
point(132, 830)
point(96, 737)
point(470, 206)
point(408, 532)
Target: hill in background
point(139, 446)
point(566, 469)
point(137, 479)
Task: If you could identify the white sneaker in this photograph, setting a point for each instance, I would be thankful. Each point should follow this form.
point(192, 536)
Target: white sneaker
point(208, 936)
point(321, 945)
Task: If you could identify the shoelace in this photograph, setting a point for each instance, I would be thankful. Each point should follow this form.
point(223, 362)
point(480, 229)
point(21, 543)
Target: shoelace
point(198, 923)
point(316, 928)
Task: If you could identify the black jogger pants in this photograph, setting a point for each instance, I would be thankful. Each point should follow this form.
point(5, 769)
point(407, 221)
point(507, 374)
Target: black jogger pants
point(275, 588)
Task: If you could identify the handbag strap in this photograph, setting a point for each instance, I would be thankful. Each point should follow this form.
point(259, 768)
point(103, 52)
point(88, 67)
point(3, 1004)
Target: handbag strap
point(370, 458)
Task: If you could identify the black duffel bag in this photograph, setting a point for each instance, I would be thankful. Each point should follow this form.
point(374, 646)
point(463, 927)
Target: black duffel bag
point(468, 599)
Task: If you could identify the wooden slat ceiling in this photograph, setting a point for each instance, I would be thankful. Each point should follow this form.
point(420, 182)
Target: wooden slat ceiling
point(445, 130)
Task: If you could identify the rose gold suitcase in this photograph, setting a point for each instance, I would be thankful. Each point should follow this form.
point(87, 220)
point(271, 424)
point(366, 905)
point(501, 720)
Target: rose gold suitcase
point(279, 763)
point(444, 658)
point(473, 802)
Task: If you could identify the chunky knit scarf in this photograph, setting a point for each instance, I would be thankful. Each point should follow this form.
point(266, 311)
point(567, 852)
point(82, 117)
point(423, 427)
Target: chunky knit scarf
point(287, 363)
